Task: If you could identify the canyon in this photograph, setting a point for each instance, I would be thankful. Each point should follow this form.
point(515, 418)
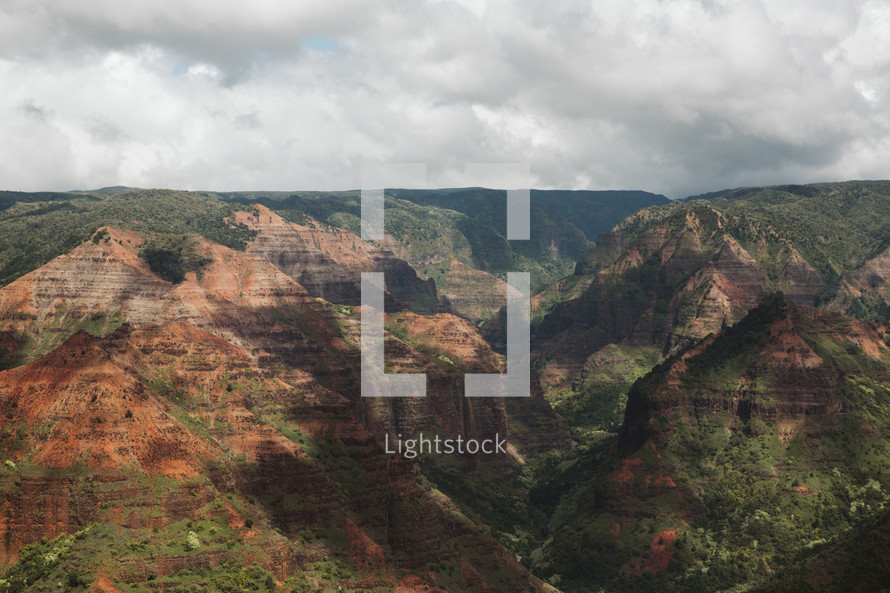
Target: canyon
point(180, 403)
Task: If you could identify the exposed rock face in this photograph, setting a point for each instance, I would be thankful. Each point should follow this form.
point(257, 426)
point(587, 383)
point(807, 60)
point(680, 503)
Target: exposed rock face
point(328, 261)
point(475, 294)
point(248, 302)
point(108, 276)
point(458, 337)
point(88, 407)
point(671, 286)
point(108, 282)
point(730, 285)
point(97, 413)
point(131, 402)
point(788, 380)
point(454, 347)
point(239, 382)
point(871, 281)
point(798, 279)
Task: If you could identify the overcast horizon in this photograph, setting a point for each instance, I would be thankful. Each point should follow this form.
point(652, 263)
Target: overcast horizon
point(675, 98)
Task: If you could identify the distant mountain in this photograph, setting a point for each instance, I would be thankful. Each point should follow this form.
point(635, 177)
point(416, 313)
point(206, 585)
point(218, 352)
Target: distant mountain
point(593, 212)
point(454, 237)
point(10, 198)
point(711, 195)
point(457, 237)
point(108, 191)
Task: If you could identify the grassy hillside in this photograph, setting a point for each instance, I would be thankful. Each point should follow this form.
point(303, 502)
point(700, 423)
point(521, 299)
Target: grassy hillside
point(592, 212)
point(38, 227)
point(835, 226)
point(854, 561)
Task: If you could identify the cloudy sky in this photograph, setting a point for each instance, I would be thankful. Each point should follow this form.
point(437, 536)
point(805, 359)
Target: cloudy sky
point(676, 97)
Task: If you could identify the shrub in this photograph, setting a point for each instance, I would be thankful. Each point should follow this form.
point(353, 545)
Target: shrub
point(192, 542)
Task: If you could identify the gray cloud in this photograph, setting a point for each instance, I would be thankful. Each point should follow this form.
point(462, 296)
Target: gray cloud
point(675, 97)
point(31, 110)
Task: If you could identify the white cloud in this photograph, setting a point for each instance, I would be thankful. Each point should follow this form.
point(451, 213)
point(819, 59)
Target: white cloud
point(674, 97)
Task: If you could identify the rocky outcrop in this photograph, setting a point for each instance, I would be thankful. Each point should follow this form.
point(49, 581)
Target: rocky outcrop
point(782, 376)
point(239, 297)
point(247, 302)
point(671, 285)
point(457, 337)
point(798, 279)
point(472, 293)
point(869, 283)
point(177, 402)
point(328, 261)
point(95, 277)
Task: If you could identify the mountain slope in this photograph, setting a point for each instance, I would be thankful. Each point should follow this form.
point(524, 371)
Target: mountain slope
point(669, 276)
point(164, 432)
point(855, 561)
point(38, 227)
point(328, 261)
point(457, 236)
point(734, 455)
point(215, 422)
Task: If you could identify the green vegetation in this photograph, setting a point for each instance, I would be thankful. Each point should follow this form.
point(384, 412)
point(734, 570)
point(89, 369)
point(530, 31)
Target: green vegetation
point(435, 227)
point(592, 212)
point(495, 495)
point(395, 325)
point(707, 484)
point(203, 553)
point(431, 235)
point(70, 563)
point(854, 561)
point(594, 400)
point(170, 257)
point(753, 495)
point(835, 226)
point(46, 567)
point(34, 344)
point(38, 227)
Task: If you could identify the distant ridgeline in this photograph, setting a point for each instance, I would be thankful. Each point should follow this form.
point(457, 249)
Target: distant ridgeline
point(435, 228)
point(455, 237)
